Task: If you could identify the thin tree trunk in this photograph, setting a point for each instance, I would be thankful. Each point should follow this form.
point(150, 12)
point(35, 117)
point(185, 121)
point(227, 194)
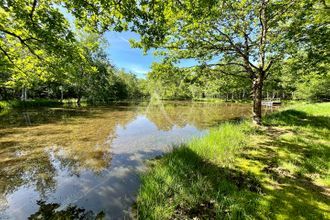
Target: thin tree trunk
point(78, 100)
point(24, 94)
point(61, 95)
point(257, 99)
point(61, 89)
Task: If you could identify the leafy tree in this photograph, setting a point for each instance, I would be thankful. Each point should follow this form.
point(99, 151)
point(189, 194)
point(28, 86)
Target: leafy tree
point(169, 81)
point(249, 35)
point(33, 25)
point(131, 84)
point(313, 87)
point(242, 38)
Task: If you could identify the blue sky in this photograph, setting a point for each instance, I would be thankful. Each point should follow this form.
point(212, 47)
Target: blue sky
point(132, 59)
point(123, 56)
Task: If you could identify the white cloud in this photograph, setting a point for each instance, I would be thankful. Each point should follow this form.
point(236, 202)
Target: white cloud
point(139, 70)
point(124, 39)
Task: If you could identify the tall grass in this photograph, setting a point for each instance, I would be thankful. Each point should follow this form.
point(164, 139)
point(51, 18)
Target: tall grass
point(195, 179)
point(238, 171)
point(221, 143)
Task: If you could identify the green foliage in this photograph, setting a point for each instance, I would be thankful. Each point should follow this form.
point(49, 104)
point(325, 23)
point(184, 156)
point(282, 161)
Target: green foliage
point(281, 41)
point(41, 53)
point(314, 88)
point(4, 105)
point(171, 82)
point(88, 73)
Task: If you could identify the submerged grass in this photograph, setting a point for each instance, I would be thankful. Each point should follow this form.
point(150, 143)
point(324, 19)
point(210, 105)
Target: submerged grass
point(237, 171)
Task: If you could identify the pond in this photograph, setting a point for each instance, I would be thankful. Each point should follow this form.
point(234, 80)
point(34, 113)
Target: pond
point(85, 162)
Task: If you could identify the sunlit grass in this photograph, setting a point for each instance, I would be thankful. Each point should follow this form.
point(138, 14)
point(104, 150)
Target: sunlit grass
point(237, 171)
point(229, 136)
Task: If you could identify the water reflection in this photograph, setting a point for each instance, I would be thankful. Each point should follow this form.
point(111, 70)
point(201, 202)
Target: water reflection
point(90, 158)
point(51, 211)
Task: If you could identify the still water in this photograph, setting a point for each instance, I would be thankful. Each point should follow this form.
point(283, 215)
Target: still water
point(84, 162)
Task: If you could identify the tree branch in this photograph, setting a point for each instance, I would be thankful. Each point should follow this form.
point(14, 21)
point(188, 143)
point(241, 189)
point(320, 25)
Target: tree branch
point(263, 34)
point(269, 65)
point(232, 74)
point(34, 5)
point(268, 68)
point(227, 64)
point(9, 58)
point(7, 55)
point(237, 49)
point(222, 71)
point(22, 41)
point(281, 12)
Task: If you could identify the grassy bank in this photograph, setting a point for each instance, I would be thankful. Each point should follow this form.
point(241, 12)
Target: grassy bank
point(30, 103)
point(279, 171)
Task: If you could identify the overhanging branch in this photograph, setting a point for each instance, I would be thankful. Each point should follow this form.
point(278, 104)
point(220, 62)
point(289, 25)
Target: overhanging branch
point(9, 58)
point(22, 41)
point(34, 5)
point(222, 71)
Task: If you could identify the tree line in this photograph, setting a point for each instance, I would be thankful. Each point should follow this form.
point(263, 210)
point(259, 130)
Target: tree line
point(85, 72)
point(281, 44)
point(287, 83)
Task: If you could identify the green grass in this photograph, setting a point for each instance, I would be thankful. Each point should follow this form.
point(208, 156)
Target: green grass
point(238, 171)
point(30, 103)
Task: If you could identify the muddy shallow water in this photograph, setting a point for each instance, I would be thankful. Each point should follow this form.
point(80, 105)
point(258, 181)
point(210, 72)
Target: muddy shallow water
point(85, 162)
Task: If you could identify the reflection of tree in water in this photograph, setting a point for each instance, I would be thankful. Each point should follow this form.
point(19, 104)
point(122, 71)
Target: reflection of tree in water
point(165, 115)
point(78, 141)
point(51, 211)
point(38, 171)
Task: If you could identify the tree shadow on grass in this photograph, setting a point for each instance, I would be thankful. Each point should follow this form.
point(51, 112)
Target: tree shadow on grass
point(201, 189)
point(291, 195)
point(190, 186)
point(291, 162)
point(297, 118)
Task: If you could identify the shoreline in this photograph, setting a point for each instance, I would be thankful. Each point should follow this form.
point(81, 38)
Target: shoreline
point(243, 171)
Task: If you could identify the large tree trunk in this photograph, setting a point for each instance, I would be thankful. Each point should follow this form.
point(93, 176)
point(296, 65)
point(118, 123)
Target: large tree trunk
point(257, 98)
